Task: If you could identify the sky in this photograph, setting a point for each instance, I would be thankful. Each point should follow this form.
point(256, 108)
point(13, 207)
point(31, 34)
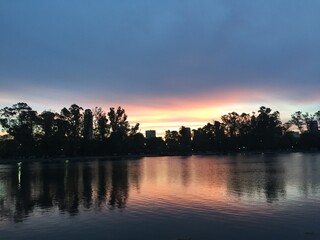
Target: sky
point(168, 63)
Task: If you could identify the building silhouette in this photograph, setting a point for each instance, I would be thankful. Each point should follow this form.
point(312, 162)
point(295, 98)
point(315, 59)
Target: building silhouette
point(150, 134)
point(88, 125)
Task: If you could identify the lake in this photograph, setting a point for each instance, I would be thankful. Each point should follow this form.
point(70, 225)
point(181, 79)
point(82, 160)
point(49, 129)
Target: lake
point(254, 196)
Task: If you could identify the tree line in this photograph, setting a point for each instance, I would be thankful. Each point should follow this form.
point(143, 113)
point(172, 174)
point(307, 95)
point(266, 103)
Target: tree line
point(93, 132)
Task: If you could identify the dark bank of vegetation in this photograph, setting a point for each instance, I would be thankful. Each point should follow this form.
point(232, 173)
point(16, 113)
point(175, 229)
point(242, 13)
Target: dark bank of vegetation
point(78, 132)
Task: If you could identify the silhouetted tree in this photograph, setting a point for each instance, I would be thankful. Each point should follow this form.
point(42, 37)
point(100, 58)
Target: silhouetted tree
point(136, 143)
point(232, 123)
point(297, 120)
point(47, 123)
point(19, 122)
point(71, 119)
point(74, 133)
point(210, 137)
point(267, 128)
point(200, 141)
point(118, 121)
point(100, 123)
point(185, 140)
point(172, 141)
point(154, 145)
point(75, 115)
point(134, 130)
point(301, 120)
point(50, 143)
point(120, 128)
point(219, 136)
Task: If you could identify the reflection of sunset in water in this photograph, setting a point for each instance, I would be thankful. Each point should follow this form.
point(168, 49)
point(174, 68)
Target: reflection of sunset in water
point(244, 189)
point(216, 184)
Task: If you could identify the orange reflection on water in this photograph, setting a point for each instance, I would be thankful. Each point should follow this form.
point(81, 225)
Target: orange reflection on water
point(238, 185)
point(201, 183)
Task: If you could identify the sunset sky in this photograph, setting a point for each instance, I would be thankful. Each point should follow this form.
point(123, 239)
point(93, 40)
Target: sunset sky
point(168, 63)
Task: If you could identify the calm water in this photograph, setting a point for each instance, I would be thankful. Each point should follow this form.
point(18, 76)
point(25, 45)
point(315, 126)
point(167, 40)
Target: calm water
point(206, 197)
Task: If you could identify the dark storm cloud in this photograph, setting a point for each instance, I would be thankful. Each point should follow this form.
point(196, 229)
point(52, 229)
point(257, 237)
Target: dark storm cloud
point(132, 48)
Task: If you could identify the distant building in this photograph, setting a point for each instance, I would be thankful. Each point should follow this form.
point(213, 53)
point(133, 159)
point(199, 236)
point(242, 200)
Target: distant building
point(150, 133)
point(88, 125)
point(313, 126)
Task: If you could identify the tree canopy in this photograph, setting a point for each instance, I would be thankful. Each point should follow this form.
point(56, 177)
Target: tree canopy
point(82, 132)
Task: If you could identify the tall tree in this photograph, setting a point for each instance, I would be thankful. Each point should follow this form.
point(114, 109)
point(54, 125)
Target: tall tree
point(134, 130)
point(231, 122)
point(219, 136)
point(73, 117)
point(101, 129)
point(185, 139)
point(46, 121)
point(268, 128)
point(172, 141)
point(118, 121)
point(120, 128)
point(19, 121)
point(297, 119)
point(244, 124)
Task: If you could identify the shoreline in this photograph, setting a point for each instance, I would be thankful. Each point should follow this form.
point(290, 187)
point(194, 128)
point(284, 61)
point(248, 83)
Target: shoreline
point(139, 156)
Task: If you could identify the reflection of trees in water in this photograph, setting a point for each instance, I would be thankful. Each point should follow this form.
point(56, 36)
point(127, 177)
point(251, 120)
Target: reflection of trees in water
point(255, 177)
point(101, 183)
point(310, 174)
point(45, 198)
point(135, 173)
point(268, 176)
point(274, 186)
point(178, 171)
point(23, 202)
point(185, 171)
point(87, 188)
point(245, 179)
point(68, 187)
point(72, 187)
point(120, 186)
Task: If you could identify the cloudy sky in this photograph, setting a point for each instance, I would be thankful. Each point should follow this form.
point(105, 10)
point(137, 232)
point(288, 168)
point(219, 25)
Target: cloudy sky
point(168, 63)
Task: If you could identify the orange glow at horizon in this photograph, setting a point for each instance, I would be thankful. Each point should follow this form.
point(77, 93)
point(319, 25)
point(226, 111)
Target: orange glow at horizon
point(171, 113)
point(165, 112)
point(194, 112)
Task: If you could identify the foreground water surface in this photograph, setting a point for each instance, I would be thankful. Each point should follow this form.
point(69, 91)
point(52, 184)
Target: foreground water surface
point(198, 197)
